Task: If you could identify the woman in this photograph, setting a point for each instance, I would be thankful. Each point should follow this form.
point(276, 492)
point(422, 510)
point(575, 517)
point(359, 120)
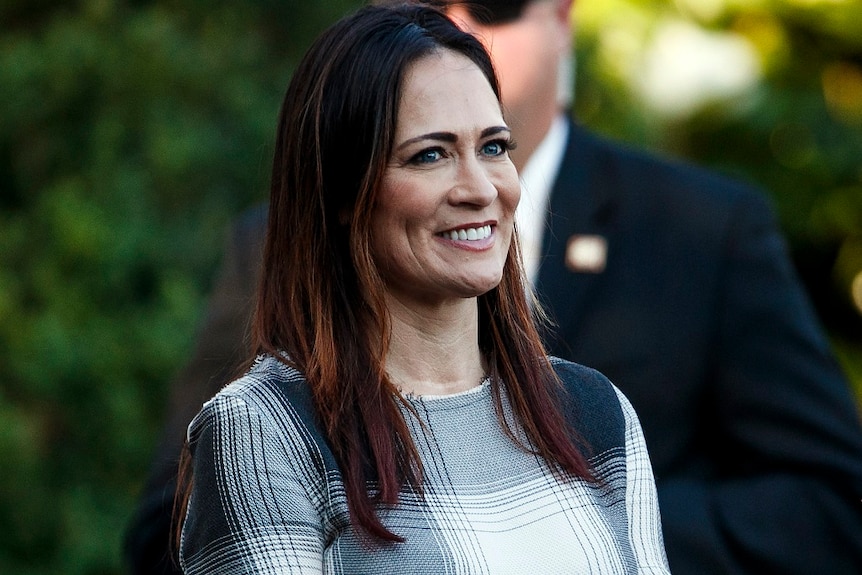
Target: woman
point(402, 415)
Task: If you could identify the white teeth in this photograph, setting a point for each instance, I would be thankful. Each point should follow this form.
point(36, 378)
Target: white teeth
point(469, 234)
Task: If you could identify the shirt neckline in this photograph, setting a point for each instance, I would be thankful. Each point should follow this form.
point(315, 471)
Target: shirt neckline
point(452, 400)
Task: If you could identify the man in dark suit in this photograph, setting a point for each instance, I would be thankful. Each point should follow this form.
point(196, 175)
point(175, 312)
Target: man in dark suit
point(672, 281)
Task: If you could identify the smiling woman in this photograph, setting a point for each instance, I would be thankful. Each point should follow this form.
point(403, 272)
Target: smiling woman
point(401, 415)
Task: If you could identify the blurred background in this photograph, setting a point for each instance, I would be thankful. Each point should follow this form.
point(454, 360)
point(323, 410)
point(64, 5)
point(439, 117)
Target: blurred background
point(131, 132)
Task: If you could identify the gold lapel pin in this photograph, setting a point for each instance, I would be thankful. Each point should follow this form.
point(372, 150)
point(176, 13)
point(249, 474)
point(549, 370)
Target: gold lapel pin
point(587, 253)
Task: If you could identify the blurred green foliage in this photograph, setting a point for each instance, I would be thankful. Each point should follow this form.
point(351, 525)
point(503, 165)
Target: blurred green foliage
point(131, 132)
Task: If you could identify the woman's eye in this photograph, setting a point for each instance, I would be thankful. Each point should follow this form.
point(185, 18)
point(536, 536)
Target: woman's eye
point(496, 148)
point(427, 156)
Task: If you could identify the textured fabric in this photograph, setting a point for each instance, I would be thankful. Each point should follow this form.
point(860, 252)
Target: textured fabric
point(268, 496)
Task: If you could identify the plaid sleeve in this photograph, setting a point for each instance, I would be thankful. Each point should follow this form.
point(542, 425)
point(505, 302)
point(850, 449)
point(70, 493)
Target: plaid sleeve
point(645, 532)
point(252, 507)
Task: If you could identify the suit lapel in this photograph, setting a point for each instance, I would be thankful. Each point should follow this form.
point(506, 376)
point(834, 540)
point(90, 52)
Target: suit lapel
point(581, 206)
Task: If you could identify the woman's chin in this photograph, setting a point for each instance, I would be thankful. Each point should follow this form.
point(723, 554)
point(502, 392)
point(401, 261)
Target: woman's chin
point(479, 286)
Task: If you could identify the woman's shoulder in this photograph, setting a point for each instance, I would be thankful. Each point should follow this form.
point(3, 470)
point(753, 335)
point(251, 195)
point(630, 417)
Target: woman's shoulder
point(273, 398)
point(270, 388)
point(583, 381)
point(267, 375)
point(594, 405)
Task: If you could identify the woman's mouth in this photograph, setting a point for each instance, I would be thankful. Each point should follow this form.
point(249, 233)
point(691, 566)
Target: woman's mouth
point(468, 234)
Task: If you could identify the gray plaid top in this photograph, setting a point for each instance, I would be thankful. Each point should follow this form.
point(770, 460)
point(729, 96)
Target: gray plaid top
point(268, 495)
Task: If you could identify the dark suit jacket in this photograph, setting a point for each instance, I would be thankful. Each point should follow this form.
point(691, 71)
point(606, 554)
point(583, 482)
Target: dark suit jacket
point(699, 318)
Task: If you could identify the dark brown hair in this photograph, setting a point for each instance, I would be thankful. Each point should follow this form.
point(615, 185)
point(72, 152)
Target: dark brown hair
point(321, 303)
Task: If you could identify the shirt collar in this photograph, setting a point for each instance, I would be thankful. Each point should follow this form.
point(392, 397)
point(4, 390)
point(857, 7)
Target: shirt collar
point(537, 180)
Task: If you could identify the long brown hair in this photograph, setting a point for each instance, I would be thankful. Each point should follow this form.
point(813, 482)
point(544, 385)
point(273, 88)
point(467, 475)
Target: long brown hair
point(321, 302)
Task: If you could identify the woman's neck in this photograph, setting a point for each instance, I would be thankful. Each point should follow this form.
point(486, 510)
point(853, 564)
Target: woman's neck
point(435, 351)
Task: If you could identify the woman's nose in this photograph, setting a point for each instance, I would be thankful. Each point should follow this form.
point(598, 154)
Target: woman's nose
point(474, 184)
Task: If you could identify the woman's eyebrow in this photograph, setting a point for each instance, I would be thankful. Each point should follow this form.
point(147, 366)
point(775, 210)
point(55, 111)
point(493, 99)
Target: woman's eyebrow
point(435, 136)
point(449, 136)
point(493, 130)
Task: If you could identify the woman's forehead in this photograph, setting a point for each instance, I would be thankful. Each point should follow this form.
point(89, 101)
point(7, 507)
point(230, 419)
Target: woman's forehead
point(446, 90)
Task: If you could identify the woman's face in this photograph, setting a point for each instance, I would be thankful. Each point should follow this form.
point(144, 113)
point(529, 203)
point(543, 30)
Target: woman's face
point(444, 216)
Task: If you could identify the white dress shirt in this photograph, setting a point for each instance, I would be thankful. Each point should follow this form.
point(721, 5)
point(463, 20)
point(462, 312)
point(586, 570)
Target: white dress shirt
point(537, 179)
